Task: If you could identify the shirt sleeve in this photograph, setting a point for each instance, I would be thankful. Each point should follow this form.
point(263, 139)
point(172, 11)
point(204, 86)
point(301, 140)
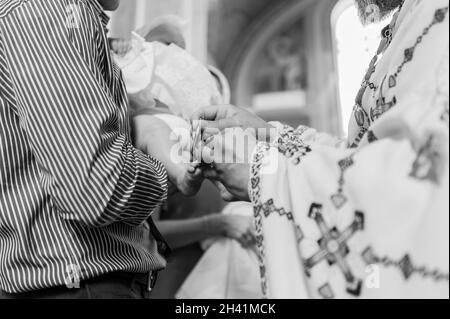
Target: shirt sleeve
point(75, 116)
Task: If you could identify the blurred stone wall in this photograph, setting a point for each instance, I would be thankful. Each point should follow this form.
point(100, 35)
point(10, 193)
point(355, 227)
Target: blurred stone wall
point(229, 22)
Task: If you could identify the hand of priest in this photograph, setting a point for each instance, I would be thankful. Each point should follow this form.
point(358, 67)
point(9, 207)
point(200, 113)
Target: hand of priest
point(229, 155)
point(220, 117)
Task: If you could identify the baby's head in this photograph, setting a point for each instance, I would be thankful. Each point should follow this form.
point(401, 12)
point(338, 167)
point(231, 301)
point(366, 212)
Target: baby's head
point(167, 30)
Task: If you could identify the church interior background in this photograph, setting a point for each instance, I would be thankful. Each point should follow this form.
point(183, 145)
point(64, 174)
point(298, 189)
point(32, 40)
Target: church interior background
point(282, 59)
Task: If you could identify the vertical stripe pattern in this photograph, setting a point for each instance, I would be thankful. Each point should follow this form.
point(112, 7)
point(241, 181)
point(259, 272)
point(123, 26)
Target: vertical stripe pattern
point(73, 189)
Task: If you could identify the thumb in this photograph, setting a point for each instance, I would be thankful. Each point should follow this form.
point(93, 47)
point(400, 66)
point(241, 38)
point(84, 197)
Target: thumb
point(208, 113)
point(224, 193)
point(219, 124)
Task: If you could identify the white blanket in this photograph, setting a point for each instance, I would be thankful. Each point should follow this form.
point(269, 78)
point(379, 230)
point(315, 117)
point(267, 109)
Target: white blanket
point(227, 270)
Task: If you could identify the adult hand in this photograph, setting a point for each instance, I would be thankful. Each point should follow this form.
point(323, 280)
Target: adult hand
point(220, 117)
point(229, 155)
point(240, 228)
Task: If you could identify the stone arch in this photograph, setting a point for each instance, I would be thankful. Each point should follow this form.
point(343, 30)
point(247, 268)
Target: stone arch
point(323, 107)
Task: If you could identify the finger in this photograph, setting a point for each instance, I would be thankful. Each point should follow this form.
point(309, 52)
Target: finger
point(252, 241)
point(224, 193)
point(208, 134)
point(207, 155)
point(242, 241)
point(196, 157)
point(214, 141)
point(192, 169)
point(120, 46)
point(126, 47)
point(208, 113)
point(253, 230)
point(211, 174)
point(245, 241)
point(114, 45)
point(228, 197)
point(217, 150)
point(219, 124)
point(123, 47)
point(208, 139)
point(249, 239)
point(212, 153)
point(198, 172)
point(252, 237)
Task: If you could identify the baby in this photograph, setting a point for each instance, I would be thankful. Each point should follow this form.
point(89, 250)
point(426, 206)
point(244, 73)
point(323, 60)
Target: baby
point(166, 85)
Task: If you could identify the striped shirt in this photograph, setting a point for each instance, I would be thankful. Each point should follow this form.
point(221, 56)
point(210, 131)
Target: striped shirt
point(74, 193)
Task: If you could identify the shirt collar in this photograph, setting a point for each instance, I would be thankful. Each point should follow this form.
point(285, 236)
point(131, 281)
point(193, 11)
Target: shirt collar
point(100, 11)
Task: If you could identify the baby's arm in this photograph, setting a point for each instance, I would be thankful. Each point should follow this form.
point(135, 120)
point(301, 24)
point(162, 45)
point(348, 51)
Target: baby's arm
point(153, 137)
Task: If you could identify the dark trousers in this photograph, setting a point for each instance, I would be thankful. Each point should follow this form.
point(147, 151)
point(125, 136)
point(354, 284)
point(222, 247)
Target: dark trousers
point(112, 286)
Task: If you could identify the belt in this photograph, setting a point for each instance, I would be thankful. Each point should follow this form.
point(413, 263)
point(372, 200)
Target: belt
point(147, 280)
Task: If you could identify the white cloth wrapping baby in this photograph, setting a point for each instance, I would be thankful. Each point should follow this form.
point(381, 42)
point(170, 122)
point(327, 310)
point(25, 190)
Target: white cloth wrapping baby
point(370, 221)
point(169, 74)
point(226, 270)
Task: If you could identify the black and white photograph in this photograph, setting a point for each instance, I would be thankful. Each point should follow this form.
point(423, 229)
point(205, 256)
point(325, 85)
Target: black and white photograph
point(224, 155)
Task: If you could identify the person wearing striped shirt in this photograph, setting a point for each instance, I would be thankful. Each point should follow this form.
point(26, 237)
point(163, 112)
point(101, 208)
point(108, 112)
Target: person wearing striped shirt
point(75, 195)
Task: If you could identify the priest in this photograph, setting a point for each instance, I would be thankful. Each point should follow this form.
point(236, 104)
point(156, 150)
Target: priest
point(365, 217)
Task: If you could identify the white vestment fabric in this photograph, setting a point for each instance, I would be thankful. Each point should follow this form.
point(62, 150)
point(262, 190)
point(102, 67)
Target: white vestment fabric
point(227, 270)
point(154, 71)
point(367, 218)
